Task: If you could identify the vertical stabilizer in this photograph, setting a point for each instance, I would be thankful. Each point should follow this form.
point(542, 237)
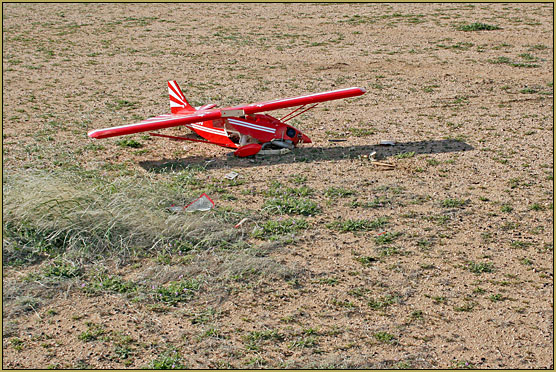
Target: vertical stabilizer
point(178, 103)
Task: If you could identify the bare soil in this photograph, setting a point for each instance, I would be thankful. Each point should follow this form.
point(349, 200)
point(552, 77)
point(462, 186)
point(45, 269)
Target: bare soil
point(467, 278)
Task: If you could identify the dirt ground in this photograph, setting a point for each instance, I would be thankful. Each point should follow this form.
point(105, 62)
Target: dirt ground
point(460, 276)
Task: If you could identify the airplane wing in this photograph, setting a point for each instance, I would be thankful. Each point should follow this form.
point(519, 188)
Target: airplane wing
point(157, 122)
point(174, 120)
point(299, 101)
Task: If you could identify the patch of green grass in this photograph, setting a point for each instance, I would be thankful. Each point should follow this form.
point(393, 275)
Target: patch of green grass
point(453, 203)
point(60, 269)
point(342, 303)
point(277, 189)
point(361, 132)
point(377, 202)
point(170, 359)
point(122, 345)
point(506, 208)
point(274, 229)
point(329, 281)
point(177, 291)
point(366, 260)
point(430, 88)
point(462, 364)
point(291, 205)
point(385, 337)
point(514, 183)
point(298, 179)
point(254, 339)
point(358, 225)
point(439, 299)
point(538, 47)
point(304, 342)
point(424, 244)
point(358, 292)
point(416, 314)
point(338, 192)
point(187, 177)
point(536, 207)
point(390, 189)
point(112, 283)
point(121, 104)
point(213, 333)
point(94, 147)
point(480, 267)
point(17, 343)
point(129, 143)
point(384, 251)
point(496, 297)
point(508, 61)
point(383, 302)
point(387, 237)
point(500, 60)
point(205, 316)
point(528, 57)
point(477, 26)
point(403, 365)
point(520, 244)
point(93, 332)
point(405, 155)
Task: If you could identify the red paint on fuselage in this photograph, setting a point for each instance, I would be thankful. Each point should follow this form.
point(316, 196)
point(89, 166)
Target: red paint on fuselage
point(260, 127)
point(265, 128)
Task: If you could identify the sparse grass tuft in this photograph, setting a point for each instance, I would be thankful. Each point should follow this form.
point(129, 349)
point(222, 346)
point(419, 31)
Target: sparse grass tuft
point(177, 291)
point(338, 192)
point(93, 332)
point(60, 269)
point(129, 143)
point(386, 238)
point(291, 205)
point(383, 302)
point(385, 337)
point(508, 61)
point(278, 190)
point(366, 260)
point(477, 26)
point(453, 203)
point(274, 229)
point(506, 208)
point(462, 364)
point(112, 283)
point(358, 225)
point(405, 155)
point(170, 359)
point(480, 267)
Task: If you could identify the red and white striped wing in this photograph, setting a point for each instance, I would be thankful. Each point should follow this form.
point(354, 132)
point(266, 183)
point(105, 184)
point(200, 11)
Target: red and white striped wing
point(155, 123)
point(299, 101)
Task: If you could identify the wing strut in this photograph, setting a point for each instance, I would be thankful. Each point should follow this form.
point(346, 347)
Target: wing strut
point(176, 138)
point(283, 120)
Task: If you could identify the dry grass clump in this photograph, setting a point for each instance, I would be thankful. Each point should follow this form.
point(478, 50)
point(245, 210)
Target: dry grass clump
point(87, 218)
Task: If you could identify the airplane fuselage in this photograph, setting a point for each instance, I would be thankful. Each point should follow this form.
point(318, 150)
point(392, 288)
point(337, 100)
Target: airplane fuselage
point(235, 132)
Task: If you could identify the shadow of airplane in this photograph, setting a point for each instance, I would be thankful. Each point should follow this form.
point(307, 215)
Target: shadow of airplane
point(308, 155)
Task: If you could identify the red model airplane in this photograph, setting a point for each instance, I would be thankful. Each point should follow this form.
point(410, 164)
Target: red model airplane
point(238, 127)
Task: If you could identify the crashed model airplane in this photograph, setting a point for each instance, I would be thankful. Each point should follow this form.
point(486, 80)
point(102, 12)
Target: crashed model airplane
point(237, 127)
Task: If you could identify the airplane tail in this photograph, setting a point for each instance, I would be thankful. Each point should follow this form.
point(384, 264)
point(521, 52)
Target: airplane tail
point(178, 103)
